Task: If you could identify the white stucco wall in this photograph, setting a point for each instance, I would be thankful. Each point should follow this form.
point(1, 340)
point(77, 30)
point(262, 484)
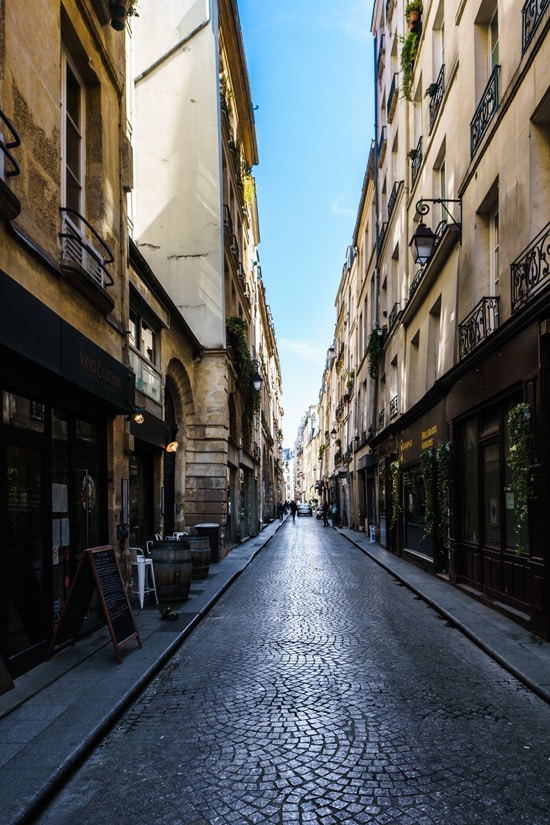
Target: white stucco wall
point(178, 188)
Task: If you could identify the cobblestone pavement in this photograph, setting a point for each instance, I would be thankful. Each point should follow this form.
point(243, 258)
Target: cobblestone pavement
point(319, 690)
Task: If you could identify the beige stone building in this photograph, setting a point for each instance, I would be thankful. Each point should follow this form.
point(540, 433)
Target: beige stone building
point(128, 367)
point(443, 314)
point(195, 223)
point(65, 380)
point(468, 138)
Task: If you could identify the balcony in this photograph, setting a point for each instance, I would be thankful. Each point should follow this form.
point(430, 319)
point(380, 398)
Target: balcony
point(436, 91)
point(85, 257)
point(227, 220)
point(478, 325)
point(10, 205)
point(381, 419)
point(382, 235)
point(382, 144)
point(530, 273)
point(392, 98)
point(484, 112)
point(531, 15)
point(393, 197)
point(148, 380)
point(394, 407)
point(416, 160)
point(381, 59)
point(393, 316)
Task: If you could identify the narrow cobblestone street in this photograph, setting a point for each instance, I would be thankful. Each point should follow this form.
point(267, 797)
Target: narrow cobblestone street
point(319, 690)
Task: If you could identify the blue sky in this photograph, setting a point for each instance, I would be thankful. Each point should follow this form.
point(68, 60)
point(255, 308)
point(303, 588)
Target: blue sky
point(310, 65)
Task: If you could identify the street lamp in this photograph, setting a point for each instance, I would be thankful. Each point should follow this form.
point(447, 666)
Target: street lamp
point(256, 378)
point(136, 415)
point(424, 239)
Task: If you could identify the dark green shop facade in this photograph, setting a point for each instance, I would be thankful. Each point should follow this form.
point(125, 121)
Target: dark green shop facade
point(467, 417)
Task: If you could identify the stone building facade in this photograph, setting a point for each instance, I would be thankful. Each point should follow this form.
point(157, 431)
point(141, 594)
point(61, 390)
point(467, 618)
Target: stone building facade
point(195, 223)
point(126, 409)
point(442, 309)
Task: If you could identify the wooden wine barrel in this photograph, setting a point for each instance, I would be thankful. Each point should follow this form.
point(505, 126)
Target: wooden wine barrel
point(200, 555)
point(173, 567)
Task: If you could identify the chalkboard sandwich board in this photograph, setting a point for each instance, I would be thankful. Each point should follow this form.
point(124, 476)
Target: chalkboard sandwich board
point(97, 569)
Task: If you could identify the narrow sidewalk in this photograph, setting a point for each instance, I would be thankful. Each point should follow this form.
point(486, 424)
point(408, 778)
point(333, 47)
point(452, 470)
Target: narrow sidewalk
point(522, 653)
point(59, 710)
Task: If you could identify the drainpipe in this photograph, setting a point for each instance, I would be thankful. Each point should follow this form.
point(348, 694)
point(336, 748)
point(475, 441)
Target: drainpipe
point(377, 232)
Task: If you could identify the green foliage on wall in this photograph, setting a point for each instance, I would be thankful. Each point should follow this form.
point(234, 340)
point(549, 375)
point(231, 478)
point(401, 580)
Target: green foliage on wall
point(237, 337)
point(520, 432)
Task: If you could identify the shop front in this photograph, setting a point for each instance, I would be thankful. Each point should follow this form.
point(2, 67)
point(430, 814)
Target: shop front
point(59, 392)
point(498, 553)
point(419, 460)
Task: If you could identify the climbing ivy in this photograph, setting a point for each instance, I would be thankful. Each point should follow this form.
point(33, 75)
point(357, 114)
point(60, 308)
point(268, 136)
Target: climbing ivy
point(238, 339)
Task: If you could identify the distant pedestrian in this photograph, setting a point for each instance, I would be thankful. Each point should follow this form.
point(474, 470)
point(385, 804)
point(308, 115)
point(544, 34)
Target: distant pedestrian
point(325, 510)
point(293, 508)
point(280, 510)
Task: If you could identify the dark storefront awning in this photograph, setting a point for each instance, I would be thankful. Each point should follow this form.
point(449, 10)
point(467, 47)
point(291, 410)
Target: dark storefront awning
point(30, 329)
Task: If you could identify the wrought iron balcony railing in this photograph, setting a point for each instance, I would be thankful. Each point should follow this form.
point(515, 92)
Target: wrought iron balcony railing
point(381, 58)
point(531, 15)
point(393, 197)
point(530, 272)
point(381, 419)
point(392, 98)
point(227, 219)
point(394, 407)
point(6, 146)
point(418, 275)
point(436, 91)
point(83, 247)
point(478, 325)
point(382, 143)
point(416, 160)
point(485, 112)
point(394, 314)
point(382, 235)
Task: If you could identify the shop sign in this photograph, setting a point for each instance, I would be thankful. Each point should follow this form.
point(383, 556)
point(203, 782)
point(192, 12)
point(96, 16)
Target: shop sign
point(93, 369)
point(429, 432)
point(34, 331)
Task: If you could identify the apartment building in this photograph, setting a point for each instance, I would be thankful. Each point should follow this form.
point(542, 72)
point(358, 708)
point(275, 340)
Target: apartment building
point(443, 305)
point(66, 384)
point(139, 376)
point(463, 161)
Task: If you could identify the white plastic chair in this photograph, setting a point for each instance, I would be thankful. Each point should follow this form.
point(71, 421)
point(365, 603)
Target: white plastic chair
point(145, 572)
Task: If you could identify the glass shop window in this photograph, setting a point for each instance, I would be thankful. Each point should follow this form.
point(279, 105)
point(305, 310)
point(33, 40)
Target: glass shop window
point(23, 413)
point(142, 336)
point(488, 501)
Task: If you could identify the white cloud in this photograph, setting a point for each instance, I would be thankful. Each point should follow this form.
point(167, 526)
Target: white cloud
point(304, 349)
point(337, 207)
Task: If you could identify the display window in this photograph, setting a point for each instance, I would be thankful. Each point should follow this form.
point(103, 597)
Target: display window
point(53, 501)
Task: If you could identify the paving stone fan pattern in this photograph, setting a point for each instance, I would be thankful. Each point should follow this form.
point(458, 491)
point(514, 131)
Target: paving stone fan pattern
point(319, 690)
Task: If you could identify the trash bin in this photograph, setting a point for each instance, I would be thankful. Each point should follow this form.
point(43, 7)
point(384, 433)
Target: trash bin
point(213, 533)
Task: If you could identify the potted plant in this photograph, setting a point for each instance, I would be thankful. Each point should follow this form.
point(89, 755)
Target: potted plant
point(120, 10)
point(413, 13)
